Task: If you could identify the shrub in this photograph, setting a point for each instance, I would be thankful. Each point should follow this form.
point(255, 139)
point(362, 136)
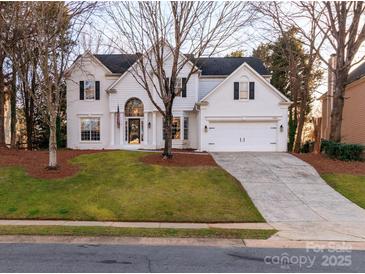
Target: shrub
point(341, 151)
point(324, 144)
point(307, 147)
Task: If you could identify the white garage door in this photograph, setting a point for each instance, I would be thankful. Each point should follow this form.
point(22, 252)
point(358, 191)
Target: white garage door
point(242, 136)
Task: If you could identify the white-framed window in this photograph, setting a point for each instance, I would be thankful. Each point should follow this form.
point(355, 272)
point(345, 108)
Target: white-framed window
point(90, 129)
point(89, 88)
point(186, 128)
point(178, 86)
point(176, 128)
point(243, 90)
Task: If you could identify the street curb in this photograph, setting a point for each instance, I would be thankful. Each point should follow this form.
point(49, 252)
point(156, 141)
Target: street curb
point(309, 245)
point(108, 240)
point(262, 226)
point(197, 242)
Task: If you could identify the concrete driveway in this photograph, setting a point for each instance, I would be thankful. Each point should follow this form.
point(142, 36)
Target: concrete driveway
point(293, 198)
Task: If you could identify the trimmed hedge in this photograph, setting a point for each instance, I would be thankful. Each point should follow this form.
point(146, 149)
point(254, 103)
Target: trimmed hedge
point(343, 152)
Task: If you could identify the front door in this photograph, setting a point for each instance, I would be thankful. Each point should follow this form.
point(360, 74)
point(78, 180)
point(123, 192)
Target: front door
point(134, 131)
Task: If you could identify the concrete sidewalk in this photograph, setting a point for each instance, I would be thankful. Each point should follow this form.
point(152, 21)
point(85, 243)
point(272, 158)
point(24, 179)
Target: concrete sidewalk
point(137, 224)
point(201, 242)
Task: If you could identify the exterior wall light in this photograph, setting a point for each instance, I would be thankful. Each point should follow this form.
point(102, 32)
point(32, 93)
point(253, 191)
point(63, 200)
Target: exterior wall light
point(206, 128)
point(281, 128)
point(149, 125)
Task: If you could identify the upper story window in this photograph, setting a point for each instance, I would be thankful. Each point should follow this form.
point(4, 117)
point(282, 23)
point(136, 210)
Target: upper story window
point(243, 88)
point(89, 90)
point(180, 87)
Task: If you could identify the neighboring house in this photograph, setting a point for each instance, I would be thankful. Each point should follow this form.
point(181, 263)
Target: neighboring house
point(353, 118)
point(228, 105)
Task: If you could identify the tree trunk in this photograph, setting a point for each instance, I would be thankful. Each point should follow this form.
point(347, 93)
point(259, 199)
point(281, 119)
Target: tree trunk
point(13, 110)
point(302, 112)
point(29, 112)
point(29, 120)
point(2, 105)
point(167, 152)
point(317, 122)
point(301, 120)
point(52, 164)
point(337, 110)
point(291, 131)
point(294, 88)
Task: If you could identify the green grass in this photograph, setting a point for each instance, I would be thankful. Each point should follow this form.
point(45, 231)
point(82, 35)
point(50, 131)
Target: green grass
point(350, 186)
point(117, 186)
point(136, 232)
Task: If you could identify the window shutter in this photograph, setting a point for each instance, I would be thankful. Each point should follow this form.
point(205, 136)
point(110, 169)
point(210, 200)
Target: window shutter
point(97, 90)
point(183, 92)
point(81, 90)
point(236, 88)
point(252, 90)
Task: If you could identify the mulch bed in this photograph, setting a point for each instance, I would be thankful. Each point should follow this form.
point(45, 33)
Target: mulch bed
point(190, 150)
point(323, 164)
point(180, 159)
point(35, 162)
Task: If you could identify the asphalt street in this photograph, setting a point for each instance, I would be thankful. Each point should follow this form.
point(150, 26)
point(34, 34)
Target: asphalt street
point(137, 258)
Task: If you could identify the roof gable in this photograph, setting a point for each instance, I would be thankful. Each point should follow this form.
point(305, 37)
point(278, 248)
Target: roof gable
point(92, 57)
point(276, 91)
point(357, 73)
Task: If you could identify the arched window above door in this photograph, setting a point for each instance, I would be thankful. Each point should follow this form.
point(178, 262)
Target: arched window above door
point(133, 108)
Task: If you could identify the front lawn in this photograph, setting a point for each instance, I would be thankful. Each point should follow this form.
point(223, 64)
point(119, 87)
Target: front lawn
point(346, 177)
point(350, 186)
point(137, 232)
point(117, 186)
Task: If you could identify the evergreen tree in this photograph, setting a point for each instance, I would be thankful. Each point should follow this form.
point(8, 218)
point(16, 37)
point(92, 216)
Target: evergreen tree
point(287, 60)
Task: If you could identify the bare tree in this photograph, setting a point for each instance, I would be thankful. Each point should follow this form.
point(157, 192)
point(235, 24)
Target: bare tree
point(18, 28)
point(94, 41)
point(57, 27)
point(342, 24)
point(157, 30)
point(45, 50)
point(302, 80)
point(3, 37)
point(2, 100)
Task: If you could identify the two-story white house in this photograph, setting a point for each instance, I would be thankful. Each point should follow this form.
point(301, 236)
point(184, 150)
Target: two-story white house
point(227, 105)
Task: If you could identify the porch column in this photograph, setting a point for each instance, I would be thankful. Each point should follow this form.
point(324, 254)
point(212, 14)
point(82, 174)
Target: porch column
point(112, 120)
point(121, 128)
point(145, 129)
point(154, 129)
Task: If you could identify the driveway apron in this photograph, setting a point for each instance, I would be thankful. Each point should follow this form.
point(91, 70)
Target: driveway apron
point(293, 198)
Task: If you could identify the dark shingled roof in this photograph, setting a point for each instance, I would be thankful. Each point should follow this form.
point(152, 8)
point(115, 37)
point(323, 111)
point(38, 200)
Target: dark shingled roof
point(357, 73)
point(119, 63)
point(226, 65)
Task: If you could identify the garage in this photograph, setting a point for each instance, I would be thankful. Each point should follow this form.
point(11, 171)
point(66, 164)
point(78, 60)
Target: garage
point(242, 136)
